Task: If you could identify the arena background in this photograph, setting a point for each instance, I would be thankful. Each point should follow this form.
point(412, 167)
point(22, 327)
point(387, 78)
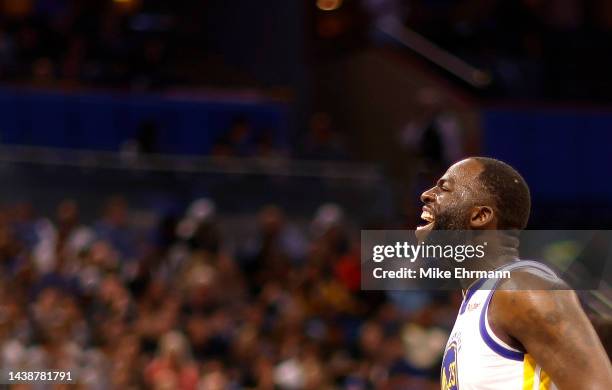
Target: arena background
point(184, 183)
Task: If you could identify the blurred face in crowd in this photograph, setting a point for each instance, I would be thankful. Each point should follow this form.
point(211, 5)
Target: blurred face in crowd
point(214, 378)
point(371, 338)
point(271, 220)
point(449, 204)
point(103, 255)
point(67, 212)
point(173, 346)
point(116, 211)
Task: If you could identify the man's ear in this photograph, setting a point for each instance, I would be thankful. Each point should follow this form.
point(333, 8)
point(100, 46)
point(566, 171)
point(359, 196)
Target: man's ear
point(482, 217)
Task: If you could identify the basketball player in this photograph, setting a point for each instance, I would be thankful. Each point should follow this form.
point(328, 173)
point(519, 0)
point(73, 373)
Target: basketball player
point(517, 333)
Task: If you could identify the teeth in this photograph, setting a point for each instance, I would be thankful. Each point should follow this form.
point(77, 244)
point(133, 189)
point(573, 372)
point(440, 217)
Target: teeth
point(426, 215)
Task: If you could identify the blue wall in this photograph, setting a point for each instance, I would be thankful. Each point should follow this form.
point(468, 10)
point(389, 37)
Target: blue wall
point(566, 157)
point(105, 121)
point(563, 154)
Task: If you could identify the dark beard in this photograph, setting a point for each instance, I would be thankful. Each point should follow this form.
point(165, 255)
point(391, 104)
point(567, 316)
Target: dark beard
point(451, 227)
point(452, 219)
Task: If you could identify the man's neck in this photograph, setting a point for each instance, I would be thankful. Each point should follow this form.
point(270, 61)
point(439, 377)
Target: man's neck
point(501, 249)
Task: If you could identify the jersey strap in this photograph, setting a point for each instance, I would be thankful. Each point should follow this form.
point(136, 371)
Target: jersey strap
point(487, 334)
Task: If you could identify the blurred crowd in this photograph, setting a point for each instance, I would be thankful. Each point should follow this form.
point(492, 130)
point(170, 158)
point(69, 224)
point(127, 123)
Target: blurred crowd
point(126, 43)
point(243, 138)
point(321, 141)
point(552, 49)
point(146, 299)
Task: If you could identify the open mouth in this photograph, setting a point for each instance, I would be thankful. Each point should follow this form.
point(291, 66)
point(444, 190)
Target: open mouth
point(428, 217)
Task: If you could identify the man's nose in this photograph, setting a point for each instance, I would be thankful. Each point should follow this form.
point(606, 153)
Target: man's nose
point(428, 196)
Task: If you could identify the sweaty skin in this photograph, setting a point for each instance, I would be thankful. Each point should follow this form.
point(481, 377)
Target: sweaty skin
point(525, 312)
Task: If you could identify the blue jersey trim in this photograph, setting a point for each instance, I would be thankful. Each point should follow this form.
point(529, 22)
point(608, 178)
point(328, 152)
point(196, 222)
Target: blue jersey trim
point(484, 333)
point(491, 343)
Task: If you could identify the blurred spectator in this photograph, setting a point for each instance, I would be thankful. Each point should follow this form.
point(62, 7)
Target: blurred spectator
point(237, 141)
point(172, 368)
point(323, 142)
point(144, 143)
point(114, 227)
point(277, 245)
point(265, 145)
point(435, 134)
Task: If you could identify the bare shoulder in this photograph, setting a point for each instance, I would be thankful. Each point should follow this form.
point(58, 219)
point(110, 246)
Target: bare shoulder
point(531, 297)
point(546, 318)
point(532, 279)
point(543, 314)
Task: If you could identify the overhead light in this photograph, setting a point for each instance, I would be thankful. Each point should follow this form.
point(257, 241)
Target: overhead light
point(328, 5)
